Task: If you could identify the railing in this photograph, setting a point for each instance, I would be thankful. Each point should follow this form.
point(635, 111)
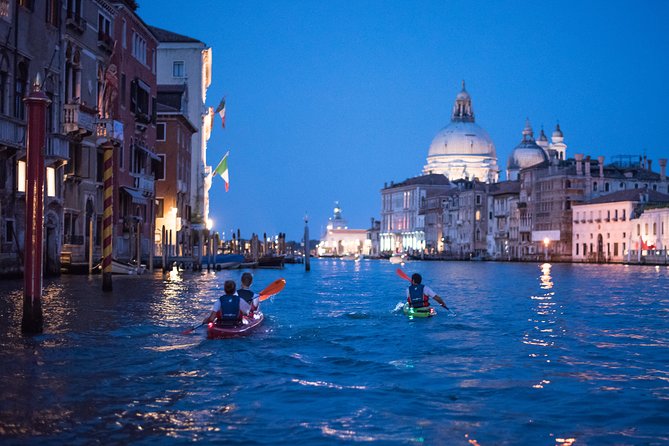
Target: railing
point(77, 120)
point(144, 182)
point(105, 41)
point(12, 133)
point(57, 147)
point(110, 129)
point(75, 22)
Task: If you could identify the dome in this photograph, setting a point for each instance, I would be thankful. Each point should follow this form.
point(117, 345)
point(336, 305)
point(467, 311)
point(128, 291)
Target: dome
point(528, 153)
point(463, 149)
point(462, 138)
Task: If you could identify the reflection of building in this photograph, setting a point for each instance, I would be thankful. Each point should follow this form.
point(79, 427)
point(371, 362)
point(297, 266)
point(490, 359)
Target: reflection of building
point(173, 147)
point(338, 240)
point(463, 149)
point(607, 227)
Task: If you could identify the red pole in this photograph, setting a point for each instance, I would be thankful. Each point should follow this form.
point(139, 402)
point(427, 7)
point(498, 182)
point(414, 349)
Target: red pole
point(36, 104)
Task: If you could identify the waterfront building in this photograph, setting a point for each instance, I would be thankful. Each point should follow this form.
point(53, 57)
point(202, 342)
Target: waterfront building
point(372, 246)
point(133, 47)
point(465, 220)
point(549, 190)
point(504, 227)
point(402, 221)
point(174, 133)
point(86, 60)
point(183, 60)
point(22, 58)
point(463, 149)
point(610, 227)
point(338, 240)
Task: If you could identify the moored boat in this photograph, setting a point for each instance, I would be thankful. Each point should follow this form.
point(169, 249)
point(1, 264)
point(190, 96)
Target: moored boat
point(249, 323)
point(224, 261)
point(418, 312)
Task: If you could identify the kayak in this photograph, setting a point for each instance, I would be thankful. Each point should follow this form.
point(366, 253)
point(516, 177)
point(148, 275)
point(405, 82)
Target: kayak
point(215, 331)
point(418, 312)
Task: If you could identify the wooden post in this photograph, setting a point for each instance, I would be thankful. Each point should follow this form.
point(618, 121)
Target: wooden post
point(36, 104)
point(90, 245)
point(163, 249)
point(152, 230)
point(307, 254)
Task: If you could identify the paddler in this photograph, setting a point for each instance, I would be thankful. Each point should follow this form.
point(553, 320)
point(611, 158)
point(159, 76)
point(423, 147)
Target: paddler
point(419, 295)
point(229, 309)
point(245, 292)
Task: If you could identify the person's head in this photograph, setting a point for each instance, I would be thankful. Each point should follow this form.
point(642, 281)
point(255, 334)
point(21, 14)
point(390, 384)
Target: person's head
point(416, 278)
point(229, 287)
point(247, 279)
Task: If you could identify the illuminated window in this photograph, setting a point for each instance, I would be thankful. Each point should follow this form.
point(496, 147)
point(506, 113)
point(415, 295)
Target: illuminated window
point(50, 182)
point(21, 176)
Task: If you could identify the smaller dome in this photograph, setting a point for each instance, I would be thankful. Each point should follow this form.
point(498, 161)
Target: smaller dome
point(542, 136)
point(528, 153)
point(557, 133)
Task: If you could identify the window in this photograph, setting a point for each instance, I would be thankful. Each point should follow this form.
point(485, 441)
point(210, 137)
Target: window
point(28, 4)
point(160, 207)
point(21, 176)
point(160, 169)
point(5, 9)
point(178, 69)
point(125, 32)
point(594, 186)
point(20, 90)
point(3, 93)
point(615, 249)
point(606, 187)
point(9, 231)
point(50, 182)
point(654, 228)
point(104, 28)
point(52, 12)
point(139, 47)
point(122, 87)
point(121, 156)
point(160, 131)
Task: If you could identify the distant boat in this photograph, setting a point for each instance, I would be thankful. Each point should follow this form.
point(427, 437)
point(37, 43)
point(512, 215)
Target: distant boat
point(124, 268)
point(398, 258)
point(271, 261)
point(224, 261)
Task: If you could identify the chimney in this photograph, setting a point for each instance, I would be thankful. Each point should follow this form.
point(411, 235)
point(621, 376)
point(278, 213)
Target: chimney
point(650, 163)
point(579, 163)
point(587, 166)
point(600, 160)
point(663, 168)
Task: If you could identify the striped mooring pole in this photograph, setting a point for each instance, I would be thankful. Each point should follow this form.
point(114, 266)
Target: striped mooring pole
point(107, 216)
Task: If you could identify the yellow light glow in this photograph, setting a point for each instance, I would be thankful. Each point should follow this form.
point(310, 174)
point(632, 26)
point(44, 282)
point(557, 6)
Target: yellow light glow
point(50, 182)
point(546, 241)
point(210, 223)
point(21, 176)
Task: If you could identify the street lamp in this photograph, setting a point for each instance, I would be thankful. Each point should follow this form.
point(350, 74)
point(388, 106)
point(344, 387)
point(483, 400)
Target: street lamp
point(546, 242)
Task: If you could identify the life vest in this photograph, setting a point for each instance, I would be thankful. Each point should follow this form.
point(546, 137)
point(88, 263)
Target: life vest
point(416, 297)
point(247, 295)
point(230, 312)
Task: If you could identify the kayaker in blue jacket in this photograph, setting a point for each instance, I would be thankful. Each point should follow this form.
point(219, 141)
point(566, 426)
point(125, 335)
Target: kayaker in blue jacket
point(245, 292)
point(419, 295)
point(229, 308)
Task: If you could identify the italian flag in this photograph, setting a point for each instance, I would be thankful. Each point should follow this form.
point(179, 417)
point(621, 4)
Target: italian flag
point(222, 170)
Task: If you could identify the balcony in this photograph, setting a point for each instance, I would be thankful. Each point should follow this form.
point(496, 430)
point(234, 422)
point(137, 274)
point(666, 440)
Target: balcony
point(109, 129)
point(78, 119)
point(75, 22)
point(12, 133)
point(57, 147)
point(71, 239)
point(144, 183)
point(105, 42)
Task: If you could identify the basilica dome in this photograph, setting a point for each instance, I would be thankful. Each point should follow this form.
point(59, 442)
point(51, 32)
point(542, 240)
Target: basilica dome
point(463, 149)
point(526, 154)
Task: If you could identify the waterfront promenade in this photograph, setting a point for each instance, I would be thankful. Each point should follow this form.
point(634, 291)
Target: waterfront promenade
point(535, 354)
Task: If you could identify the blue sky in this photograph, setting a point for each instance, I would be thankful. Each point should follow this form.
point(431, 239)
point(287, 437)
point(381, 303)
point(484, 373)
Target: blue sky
point(327, 100)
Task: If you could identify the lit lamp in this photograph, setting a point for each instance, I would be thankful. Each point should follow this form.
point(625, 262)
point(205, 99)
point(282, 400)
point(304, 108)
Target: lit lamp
point(210, 223)
point(546, 242)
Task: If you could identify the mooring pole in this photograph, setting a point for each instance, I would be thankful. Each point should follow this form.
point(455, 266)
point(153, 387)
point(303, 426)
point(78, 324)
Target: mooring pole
point(36, 104)
point(107, 215)
point(307, 254)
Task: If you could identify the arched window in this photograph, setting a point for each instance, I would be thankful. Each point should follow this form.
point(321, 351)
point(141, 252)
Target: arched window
point(20, 89)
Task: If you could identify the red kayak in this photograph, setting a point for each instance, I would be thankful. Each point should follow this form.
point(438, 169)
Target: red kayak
point(249, 323)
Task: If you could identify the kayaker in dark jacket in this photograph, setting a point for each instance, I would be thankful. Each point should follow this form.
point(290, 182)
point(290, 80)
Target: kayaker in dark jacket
point(229, 308)
point(245, 292)
point(419, 295)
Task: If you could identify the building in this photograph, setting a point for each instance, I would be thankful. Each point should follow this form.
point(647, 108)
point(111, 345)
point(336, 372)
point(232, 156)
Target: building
point(610, 227)
point(187, 61)
point(339, 241)
point(404, 211)
point(463, 149)
point(174, 133)
point(504, 225)
point(133, 61)
point(466, 219)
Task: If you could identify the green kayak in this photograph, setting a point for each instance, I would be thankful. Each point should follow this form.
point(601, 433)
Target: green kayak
point(418, 312)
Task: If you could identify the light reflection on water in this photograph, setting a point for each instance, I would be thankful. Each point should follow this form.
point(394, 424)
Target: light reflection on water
point(529, 359)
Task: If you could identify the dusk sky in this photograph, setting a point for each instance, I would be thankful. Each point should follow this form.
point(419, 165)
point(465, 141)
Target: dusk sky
point(328, 100)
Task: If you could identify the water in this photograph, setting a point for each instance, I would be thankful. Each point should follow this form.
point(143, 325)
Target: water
point(534, 355)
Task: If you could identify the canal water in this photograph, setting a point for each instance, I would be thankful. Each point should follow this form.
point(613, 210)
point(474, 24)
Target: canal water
point(533, 355)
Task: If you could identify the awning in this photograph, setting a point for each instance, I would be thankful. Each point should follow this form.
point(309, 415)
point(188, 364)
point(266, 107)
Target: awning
point(137, 196)
point(146, 150)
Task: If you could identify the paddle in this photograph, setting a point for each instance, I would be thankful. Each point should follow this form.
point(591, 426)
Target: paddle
point(272, 289)
point(192, 328)
point(404, 276)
